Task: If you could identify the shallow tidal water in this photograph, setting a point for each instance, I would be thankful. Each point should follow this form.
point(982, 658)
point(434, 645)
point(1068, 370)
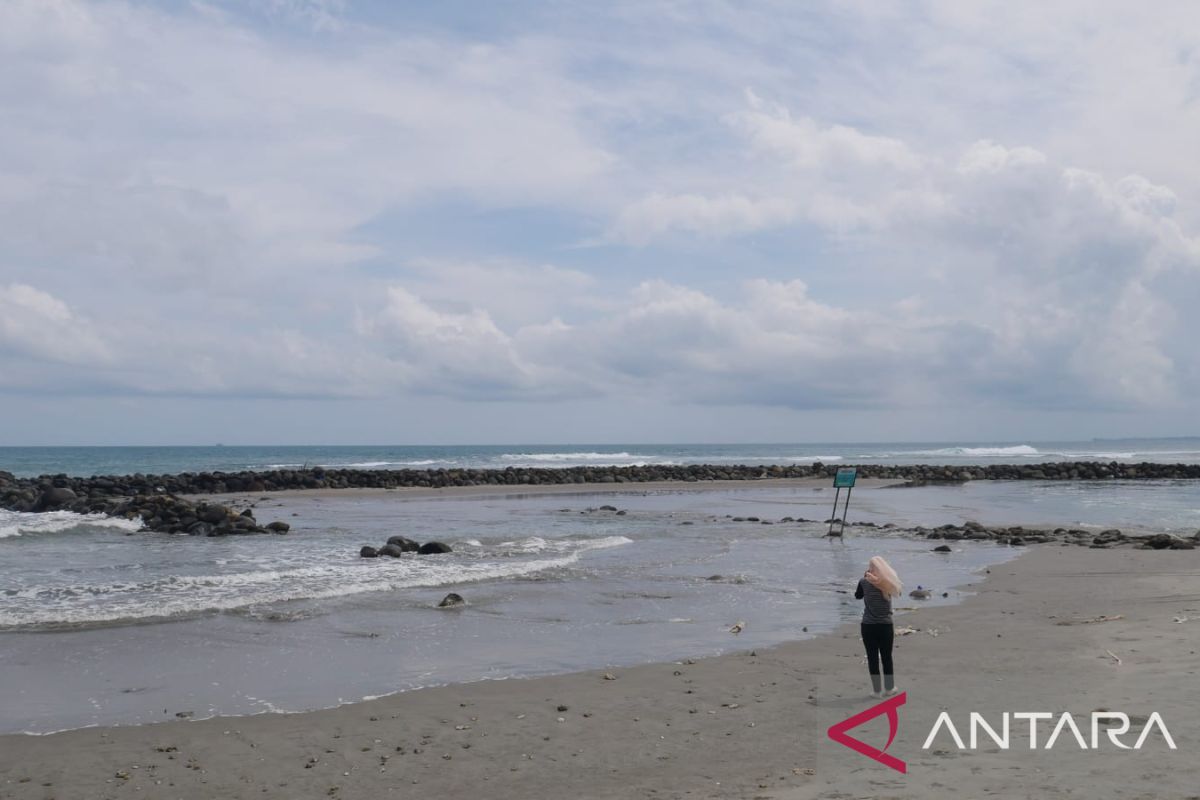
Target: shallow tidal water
point(101, 627)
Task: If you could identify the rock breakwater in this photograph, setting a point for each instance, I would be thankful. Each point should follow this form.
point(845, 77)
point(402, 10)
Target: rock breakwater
point(160, 499)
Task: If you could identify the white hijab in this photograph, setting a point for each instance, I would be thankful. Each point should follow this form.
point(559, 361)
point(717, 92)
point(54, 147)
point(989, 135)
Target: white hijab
point(881, 575)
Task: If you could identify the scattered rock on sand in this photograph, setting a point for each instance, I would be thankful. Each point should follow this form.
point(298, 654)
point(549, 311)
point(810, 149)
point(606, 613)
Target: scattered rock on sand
point(1165, 541)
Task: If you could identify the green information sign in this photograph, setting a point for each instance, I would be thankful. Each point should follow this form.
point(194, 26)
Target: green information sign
point(844, 479)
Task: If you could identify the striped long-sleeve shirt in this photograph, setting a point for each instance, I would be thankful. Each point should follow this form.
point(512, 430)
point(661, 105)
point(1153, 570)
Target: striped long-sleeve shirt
point(877, 607)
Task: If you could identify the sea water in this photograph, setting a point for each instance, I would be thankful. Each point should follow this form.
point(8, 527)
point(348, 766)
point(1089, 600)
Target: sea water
point(103, 625)
point(86, 461)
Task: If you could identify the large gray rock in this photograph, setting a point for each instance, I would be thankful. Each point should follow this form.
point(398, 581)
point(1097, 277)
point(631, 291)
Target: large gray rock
point(212, 514)
point(391, 550)
point(404, 543)
point(433, 548)
point(368, 552)
point(55, 497)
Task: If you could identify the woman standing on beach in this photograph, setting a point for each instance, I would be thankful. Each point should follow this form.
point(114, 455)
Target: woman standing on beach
point(876, 589)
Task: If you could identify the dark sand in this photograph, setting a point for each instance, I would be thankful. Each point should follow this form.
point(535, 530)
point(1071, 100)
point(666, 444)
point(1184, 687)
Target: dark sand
point(741, 726)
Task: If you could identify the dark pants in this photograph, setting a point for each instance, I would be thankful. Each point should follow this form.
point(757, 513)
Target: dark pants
point(878, 640)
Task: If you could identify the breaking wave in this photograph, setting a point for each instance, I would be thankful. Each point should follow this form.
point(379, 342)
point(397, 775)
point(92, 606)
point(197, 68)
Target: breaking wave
point(16, 523)
point(70, 605)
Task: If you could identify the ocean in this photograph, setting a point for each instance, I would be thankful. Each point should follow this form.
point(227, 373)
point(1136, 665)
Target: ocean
point(100, 624)
point(87, 461)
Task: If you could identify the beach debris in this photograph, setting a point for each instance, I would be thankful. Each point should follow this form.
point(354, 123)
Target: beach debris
point(562, 708)
point(803, 771)
point(1113, 656)
point(185, 714)
point(608, 676)
point(1091, 620)
point(1180, 619)
point(452, 600)
point(905, 631)
point(920, 593)
point(738, 627)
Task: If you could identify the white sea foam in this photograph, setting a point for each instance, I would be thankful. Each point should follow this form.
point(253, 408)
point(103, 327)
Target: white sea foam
point(15, 523)
point(1022, 450)
point(423, 462)
point(178, 595)
point(812, 459)
point(561, 457)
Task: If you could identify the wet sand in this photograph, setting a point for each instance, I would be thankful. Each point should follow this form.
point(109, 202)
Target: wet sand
point(742, 725)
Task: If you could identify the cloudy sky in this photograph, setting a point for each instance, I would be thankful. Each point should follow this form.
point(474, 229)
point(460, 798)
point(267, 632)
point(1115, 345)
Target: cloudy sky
point(341, 221)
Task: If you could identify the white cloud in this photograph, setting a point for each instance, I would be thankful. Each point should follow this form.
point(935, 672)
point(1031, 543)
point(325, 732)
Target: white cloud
point(37, 325)
point(282, 149)
point(804, 144)
point(966, 206)
point(514, 293)
point(458, 354)
point(707, 217)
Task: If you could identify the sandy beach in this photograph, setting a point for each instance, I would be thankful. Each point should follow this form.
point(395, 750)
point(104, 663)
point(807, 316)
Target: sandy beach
point(746, 725)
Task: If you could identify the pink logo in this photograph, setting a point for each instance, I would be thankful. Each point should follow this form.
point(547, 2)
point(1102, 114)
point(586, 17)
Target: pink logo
point(838, 732)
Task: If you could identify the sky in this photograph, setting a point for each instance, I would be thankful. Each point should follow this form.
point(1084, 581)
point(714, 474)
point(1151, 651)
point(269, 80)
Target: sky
point(340, 221)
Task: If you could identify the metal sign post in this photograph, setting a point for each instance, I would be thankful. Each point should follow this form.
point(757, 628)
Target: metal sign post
point(844, 479)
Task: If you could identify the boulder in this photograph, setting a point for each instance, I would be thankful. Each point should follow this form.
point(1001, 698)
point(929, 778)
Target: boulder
point(433, 548)
point(212, 514)
point(452, 600)
point(404, 543)
point(368, 552)
point(391, 550)
point(55, 497)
